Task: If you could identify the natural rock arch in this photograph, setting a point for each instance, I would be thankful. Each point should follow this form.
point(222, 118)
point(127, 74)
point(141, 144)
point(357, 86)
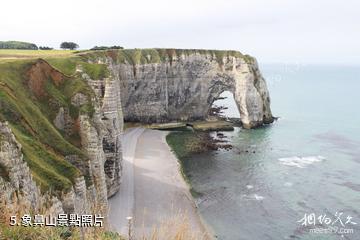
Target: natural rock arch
point(225, 106)
point(185, 87)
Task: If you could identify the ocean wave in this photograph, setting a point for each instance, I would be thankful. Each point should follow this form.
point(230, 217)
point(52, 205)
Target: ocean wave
point(258, 197)
point(288, 184)
point(252, 197)
point(300, 162)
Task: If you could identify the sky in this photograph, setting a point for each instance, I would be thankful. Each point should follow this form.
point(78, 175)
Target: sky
point(274, 31)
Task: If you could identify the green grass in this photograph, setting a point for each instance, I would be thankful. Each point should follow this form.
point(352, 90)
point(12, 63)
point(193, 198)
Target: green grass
point(21, 102)
point(17, 53)
point(64, 65)
point(150, 55)
point(44, 147)
point(62, 95)
point(31, 117)
point(157, 55)
point(95, 71)
point(180, 142)
point(50, 170)
point(68, 67)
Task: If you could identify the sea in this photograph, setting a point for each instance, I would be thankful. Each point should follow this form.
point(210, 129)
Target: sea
point(298, 178)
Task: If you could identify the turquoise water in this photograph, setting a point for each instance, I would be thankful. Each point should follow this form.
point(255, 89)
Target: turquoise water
point(306, 162)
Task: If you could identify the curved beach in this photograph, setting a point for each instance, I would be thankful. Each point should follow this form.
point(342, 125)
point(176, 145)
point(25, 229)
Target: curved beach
point(153, 190)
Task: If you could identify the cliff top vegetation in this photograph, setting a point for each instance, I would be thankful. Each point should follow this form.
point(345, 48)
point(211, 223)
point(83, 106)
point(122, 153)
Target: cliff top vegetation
point(130, 56)
point(31, 94)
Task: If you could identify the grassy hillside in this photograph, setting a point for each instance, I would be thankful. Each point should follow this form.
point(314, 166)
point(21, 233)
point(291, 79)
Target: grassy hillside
point(31, 94)
point(10, 54)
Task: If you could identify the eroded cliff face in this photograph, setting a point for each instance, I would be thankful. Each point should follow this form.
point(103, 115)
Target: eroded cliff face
point(15, 174)
point(83, 143)
point(18, 188)
point(101, 134)
point(183, 87)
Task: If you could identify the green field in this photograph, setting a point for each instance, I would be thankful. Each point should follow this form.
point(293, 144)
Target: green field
point(8, 54)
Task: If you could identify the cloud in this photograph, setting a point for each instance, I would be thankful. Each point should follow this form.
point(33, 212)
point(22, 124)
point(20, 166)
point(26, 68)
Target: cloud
point(273, 30)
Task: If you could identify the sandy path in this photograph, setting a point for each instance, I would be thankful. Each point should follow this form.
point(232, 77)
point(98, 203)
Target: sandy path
point(122, 204)
point(152, 188)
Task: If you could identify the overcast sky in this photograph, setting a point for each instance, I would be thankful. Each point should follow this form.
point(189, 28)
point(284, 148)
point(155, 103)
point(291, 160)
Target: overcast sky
point(285, 31)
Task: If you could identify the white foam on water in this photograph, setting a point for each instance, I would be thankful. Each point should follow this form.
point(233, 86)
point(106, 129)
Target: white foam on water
point(301, 162)
point(288, 184)
point(258, 197)
point(252, 197)
point(249, 186)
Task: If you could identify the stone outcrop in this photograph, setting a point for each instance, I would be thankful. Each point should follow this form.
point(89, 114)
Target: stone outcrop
point(18, 189)
point(113, 121)
point(108, 122)
point(21, 194)
point(15, 174)
point(91, 141)
point(183, 87)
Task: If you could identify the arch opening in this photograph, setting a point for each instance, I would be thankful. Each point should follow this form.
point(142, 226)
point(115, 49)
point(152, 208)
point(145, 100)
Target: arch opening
point(224, 107)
